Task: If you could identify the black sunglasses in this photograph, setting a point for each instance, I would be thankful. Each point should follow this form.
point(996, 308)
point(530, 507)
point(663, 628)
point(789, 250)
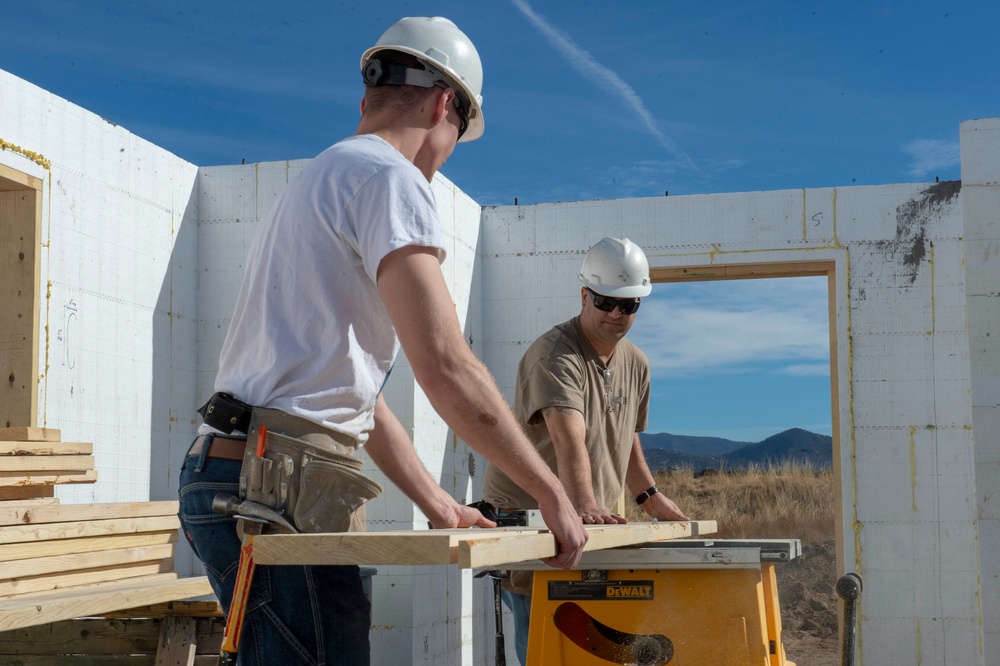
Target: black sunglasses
point(626, 306)
point(462, 105)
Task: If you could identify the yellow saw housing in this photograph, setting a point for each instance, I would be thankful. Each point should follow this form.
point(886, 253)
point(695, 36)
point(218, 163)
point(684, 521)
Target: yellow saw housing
point(710, 605)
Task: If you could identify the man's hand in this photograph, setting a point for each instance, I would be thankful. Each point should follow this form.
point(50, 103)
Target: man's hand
point(595, 515)
point(459, 515)
point(661, 507)
point(566, 527)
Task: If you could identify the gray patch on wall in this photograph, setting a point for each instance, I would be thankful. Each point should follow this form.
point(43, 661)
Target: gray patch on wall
point(909, 247)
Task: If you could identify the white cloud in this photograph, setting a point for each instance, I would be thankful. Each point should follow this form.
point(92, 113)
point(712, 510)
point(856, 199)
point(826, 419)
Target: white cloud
point(931, 155)
point(736, 326)
point(604, 77)
point(805, 370)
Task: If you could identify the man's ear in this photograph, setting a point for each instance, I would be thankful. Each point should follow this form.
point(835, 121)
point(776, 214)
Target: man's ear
point(443, 99)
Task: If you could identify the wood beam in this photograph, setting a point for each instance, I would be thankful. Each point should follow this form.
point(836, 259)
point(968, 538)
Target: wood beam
point(469, 548)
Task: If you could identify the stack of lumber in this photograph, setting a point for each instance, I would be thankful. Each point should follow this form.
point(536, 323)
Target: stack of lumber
point(58, 562)
point(64, 561)
point(33, 460)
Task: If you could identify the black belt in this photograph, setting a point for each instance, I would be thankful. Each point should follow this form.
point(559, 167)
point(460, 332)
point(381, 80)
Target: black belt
point(226, 448)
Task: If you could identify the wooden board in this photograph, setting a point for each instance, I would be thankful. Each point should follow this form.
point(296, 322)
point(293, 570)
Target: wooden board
point(30, 434)
point(47, 478)
point(16, 448)
point(84, 528)
point(491, 551)
point(30, 549)
point(34, 515)
point(424, 547)
point(469, 548)
point(171, 609)
point(178, 642)
point(74, 579)
point(14, 493)
point(33, 463)
point(39, 566)
point(42, 607)
point(28, 503)
point(20, 299)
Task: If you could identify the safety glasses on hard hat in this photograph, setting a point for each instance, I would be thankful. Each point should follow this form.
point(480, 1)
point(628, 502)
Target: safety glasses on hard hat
point(626, 306)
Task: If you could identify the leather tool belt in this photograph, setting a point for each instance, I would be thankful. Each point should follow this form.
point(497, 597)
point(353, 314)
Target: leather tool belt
point(307, 472)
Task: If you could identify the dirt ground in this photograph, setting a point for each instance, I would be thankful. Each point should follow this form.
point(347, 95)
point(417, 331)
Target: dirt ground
point(809, 606)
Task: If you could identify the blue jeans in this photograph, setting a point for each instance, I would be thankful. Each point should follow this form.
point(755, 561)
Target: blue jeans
point(520, 606)
point(308, 615)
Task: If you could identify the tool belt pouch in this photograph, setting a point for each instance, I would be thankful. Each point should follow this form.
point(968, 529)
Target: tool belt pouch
point(316, 489)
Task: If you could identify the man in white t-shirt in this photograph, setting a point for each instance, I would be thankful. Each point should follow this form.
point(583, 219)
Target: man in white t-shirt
point(344, 271)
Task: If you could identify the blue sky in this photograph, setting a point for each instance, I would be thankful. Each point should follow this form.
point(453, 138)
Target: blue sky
point(739, 359)
point(582, 100)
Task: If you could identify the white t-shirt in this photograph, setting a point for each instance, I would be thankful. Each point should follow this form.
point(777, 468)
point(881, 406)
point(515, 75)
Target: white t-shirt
point(310, 335)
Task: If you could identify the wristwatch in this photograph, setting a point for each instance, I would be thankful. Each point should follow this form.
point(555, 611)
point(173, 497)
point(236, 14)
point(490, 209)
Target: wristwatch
point(646, 494)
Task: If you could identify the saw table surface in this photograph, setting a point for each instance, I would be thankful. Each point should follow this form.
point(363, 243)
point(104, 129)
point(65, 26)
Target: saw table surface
point(684, 554)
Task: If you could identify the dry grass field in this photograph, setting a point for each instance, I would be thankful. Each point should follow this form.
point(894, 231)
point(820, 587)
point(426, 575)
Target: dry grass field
point(789, 502)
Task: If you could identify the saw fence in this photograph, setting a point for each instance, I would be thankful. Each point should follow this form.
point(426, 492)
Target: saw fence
point(59, 562)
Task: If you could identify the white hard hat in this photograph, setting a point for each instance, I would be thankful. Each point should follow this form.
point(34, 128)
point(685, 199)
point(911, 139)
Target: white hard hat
point(616, 267)
point(448, 55)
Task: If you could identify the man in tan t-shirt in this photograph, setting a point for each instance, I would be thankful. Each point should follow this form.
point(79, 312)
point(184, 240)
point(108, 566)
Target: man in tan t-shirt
point(582, 397)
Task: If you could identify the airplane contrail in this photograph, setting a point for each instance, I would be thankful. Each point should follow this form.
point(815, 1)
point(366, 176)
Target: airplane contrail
point(585, 64)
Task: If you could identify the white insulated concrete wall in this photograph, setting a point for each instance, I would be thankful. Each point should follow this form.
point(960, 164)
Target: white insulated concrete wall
point(981, 202)
point(117, 343)
point(906, 439)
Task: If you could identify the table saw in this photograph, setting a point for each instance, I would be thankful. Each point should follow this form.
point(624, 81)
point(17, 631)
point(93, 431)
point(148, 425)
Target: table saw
point(685, 602)
point(644, 594)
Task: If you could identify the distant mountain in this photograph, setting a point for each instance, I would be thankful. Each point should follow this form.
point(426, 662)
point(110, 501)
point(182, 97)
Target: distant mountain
point(664, 450)
point(696, 446)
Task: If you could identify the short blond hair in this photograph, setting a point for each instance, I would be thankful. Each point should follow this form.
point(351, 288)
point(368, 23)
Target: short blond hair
point(399, 99)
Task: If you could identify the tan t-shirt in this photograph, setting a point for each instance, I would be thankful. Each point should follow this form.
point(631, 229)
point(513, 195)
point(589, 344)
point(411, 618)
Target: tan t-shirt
point(561, 369)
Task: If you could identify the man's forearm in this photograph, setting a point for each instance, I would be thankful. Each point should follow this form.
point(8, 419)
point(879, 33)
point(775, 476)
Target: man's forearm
point(568, 432)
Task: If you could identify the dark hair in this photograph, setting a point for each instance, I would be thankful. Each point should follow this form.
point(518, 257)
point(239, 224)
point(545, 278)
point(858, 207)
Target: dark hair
point(398, 98)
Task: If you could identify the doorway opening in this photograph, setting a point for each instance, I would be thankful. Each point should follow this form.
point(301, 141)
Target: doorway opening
point(744, 420)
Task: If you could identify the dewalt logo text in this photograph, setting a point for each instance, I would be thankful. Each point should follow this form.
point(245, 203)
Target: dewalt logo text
point(629, 591)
